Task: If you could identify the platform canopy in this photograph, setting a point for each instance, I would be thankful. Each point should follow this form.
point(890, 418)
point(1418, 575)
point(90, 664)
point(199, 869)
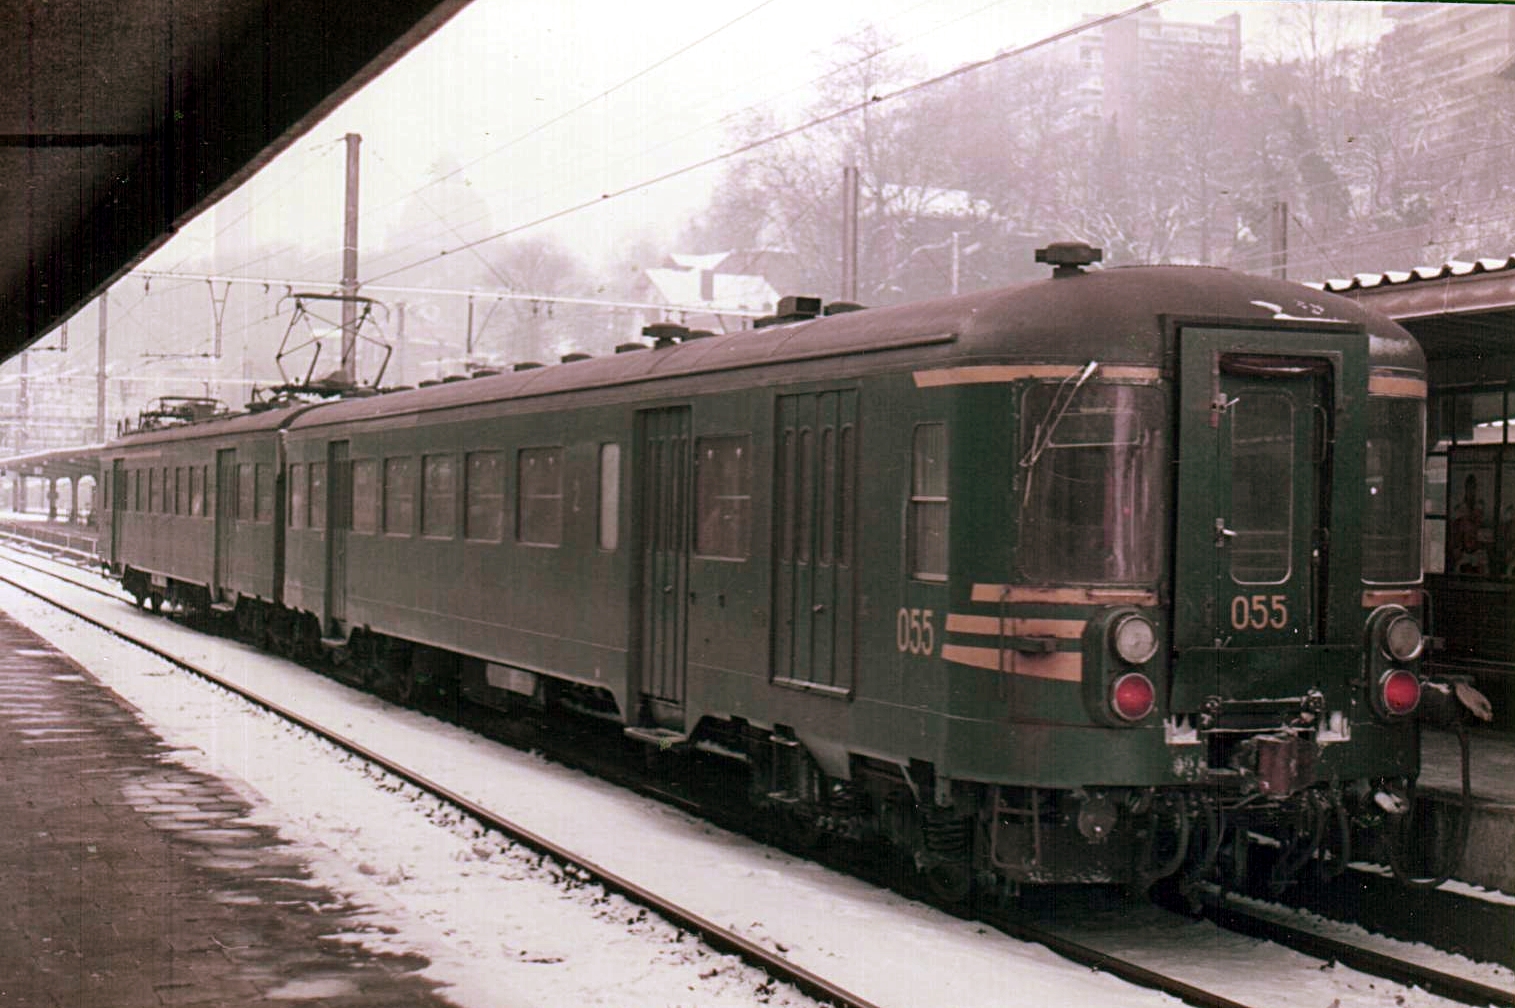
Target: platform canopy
point(1463, 314)
point(121, 121)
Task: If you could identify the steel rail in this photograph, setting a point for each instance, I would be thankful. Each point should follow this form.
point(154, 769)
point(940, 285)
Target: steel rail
point(717, 937)
point(1380, 964)
point(725, 940)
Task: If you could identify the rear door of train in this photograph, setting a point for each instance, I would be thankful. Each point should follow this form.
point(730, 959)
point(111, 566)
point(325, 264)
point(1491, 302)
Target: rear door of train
point(1269, 436)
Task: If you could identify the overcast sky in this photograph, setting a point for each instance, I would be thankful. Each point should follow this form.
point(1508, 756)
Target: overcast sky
point(548, 104)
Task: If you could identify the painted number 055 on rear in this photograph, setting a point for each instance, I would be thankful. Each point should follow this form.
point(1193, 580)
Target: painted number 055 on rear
point(916, 632)
point(1259, 612)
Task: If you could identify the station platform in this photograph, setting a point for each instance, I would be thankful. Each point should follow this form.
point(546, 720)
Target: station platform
point(1489, 857)
point(128, 880)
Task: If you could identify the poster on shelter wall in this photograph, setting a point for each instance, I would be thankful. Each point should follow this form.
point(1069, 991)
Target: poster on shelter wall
point(1505, 539)
point(1470, 518)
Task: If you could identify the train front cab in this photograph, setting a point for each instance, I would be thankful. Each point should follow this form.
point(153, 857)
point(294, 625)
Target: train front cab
point(1268, 675)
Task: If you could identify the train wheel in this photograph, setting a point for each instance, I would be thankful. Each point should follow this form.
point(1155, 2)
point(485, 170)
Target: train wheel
point(951, 883)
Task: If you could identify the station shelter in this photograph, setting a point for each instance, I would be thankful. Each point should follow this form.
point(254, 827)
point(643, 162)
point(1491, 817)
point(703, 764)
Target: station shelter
point(1463, 314)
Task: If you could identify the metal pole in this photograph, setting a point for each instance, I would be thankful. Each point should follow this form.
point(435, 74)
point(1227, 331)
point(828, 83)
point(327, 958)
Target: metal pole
point(100, 369)
point(399, 378)
point(957, 254)
point(23, 403)
point(1281, 240)
point(849, 232)
point(350, 264)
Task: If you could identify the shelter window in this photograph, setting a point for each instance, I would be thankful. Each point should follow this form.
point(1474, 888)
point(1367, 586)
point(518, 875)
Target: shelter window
point(926, 536)
point(1094, 468)
point(539, 485)
point(723, 497)
point(365, 496)
point(439, 496)
point(399, 496)
point(610, 496)
point(318, 495)
point(197, 490)
point(484, 496)
point(299, 486)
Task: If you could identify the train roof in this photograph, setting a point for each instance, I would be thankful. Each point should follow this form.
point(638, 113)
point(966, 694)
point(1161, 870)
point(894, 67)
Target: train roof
point(1115, 316)
point(1067, 319)
point(269, 421)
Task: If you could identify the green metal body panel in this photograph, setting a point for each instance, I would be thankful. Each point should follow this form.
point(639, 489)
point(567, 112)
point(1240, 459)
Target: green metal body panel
point(1012, 691)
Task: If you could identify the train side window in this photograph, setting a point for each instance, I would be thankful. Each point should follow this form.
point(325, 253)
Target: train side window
point(610, 496)
point(723, 497)
point(246, 492)
point(484, 496)
point(181, 491)
point(539, 490)
point(298, 485)
point(399, 496)
point(263, 492)
point(154, 491)
point(849, 496)
point(926, 537)
point(365, 496)
point(197, 490)
point(439, 496)
point(318, 495)
point(136, 489)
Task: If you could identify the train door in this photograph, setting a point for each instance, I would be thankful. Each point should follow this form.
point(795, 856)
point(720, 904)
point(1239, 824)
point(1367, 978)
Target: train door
point(117, 508)
point(338, 506)
point(1257, 459)
point(664, 525)
point(226, 519)
point(815, 462)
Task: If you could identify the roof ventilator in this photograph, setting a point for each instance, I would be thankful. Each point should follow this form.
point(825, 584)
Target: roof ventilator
point(792, 308)
point(1069, 258)
point(665, 334)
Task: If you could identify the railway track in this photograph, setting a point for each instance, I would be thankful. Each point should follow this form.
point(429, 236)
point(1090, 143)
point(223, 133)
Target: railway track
point(1063, 941)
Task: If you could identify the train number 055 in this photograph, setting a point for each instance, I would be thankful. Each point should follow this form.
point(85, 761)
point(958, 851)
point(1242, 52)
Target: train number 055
point(1259, 612)
point(915, 632)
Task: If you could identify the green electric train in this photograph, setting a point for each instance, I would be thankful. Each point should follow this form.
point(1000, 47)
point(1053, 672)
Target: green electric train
point(1085, 580)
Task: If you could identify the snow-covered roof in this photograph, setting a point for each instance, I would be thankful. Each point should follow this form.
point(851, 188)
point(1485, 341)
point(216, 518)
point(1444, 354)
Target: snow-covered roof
point(1446, 271)
point(699, 261)
point(730, 291)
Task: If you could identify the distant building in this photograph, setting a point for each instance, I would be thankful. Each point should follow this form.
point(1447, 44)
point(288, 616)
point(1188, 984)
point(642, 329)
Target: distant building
point(1122, 59)
point(1462, 56)
point(715, 291)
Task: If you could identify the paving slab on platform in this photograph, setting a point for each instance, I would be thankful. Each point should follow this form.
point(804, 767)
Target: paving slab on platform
point(130, 881)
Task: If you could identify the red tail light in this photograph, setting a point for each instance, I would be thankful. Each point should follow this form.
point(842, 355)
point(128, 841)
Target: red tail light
point(1400, 691)
point(1133, 696)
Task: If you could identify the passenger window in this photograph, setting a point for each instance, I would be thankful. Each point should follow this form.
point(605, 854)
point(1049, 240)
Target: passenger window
point(926, 536)
point(439, 496)
point(197, 490)
point(246, 495)
point(539, 488)
point(399, 496)
point(365, 496)
point(154, 492)
point(181, 491)
point(263, 491)
point(723, 497)
point(318, 495)
point(484, 492)
point(297, 490)
point(610, 496)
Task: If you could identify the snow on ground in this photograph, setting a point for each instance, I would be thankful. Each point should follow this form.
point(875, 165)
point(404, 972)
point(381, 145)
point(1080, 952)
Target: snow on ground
point(491, 919)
